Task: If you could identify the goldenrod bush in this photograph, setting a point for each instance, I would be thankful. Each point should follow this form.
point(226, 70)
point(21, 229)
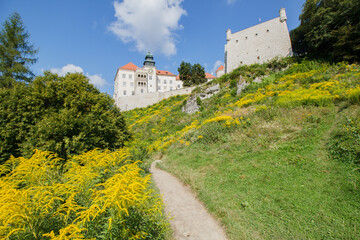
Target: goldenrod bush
point(96, 195)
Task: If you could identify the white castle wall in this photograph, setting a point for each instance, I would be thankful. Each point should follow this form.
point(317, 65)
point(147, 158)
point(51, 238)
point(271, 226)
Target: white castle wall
point(258, 44)
point(146, 99)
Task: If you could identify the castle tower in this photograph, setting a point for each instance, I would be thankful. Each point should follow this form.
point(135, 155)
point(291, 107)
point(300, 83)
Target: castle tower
point(282, 15)
point(149, 60)
point(150, 69)
point(258, 44)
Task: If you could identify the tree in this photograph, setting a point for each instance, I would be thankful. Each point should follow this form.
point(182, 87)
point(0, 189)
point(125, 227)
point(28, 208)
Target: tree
point(185, 73)
point(329, 29)
point(198, 74)
point(66, 115)
point(16, 54)
point(191, 74)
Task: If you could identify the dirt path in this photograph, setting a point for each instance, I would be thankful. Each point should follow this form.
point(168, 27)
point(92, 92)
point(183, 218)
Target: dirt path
point(188, 217)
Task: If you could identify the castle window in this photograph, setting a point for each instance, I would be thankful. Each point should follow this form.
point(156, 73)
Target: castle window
point(124, 84)
point(246, 37)
point(150, 85)
point(170, 88)
point(237, 40)
point(268, 30)
point(256, 34)
point(159, 88)
point(241, 62)
point(142, 90)
point(131, 84)
point(124, 76)
point(124, 92)
point(132, 93)
point(164, 81)
point(171, 82)
point(150, 77)
point(258, 57)
point(130, 76)
point(138, 75)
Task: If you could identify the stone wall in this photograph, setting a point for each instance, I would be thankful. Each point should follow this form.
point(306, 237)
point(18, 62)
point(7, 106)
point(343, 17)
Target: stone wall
point(257, 44)
point(146, 99)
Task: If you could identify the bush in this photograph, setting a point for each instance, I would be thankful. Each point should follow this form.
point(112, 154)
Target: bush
point(65, 115)
point(98, 195)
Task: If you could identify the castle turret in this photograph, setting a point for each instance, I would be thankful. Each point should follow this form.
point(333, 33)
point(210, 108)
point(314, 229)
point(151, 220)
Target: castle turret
point(149, 60)
point(282, 15)
point(228, 35)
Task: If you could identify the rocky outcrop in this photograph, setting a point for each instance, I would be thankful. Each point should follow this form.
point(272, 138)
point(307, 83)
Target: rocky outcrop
point(209, 92)
point(241, 85)
point(192, 106)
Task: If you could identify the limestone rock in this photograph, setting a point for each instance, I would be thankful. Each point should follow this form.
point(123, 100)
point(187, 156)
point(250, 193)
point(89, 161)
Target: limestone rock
point(191, 105)
point(210, 91)
point(257, 80)
point(241, 85)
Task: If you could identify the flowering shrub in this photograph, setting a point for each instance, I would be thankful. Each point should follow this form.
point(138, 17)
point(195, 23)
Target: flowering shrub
point(97, 195)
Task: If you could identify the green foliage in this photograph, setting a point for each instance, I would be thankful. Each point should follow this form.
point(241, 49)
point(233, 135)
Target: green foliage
point(185, 73)
point(66, 115)
point(199, 103)
point(191, 74)
point(329, 29)
point(16, 54)
point(258, 160)
point(344, 144)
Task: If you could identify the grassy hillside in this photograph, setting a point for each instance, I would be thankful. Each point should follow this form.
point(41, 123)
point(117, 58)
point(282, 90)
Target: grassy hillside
point(278, 161)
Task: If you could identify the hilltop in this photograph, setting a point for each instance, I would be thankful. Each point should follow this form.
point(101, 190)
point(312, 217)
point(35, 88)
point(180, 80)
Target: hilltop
point(278, 159)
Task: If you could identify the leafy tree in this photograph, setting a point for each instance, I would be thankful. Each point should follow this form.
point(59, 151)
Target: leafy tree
point(66, 115)
point(16, 54)
point(198, 74)
point(185, 73)
point(329, 29)
point(191, 74)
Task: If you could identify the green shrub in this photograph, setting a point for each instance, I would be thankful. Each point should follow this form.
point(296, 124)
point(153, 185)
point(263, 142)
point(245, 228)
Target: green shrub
point(66, 115)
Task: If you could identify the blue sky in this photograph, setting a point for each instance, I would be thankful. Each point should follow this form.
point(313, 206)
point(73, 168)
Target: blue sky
point(98, 36)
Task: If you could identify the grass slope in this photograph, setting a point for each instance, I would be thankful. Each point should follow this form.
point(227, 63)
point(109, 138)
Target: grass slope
point(278, 161)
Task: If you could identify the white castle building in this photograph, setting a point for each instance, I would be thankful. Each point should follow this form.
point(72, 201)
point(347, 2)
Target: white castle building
point(131, 80)
point(258, 44)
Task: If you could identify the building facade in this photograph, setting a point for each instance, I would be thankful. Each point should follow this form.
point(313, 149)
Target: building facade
point(220, 71)
point(131, 80)
point(258, 44)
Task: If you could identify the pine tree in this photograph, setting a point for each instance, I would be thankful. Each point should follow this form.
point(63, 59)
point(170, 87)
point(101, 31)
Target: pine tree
point(16, 53)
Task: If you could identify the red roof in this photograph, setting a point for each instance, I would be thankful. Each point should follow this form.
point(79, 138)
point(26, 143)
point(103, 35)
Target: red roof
point(208, 75)
point(129, 66)
point(167, 73)
point(220, 68)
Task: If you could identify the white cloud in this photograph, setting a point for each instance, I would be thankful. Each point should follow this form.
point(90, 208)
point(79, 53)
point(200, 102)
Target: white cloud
point(95, 79)
point(148, 23)
point(70, 68)
point(217, 64)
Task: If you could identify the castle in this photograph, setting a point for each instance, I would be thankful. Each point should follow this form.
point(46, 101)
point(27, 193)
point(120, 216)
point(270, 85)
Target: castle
point(140, 87)
point(131, 80)
point(258, 44)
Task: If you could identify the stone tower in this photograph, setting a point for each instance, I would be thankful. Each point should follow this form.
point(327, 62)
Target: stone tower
point(258, 44)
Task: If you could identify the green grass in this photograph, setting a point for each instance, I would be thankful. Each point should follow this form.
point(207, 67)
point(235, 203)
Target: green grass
point(274, 183)
point(288, 167)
